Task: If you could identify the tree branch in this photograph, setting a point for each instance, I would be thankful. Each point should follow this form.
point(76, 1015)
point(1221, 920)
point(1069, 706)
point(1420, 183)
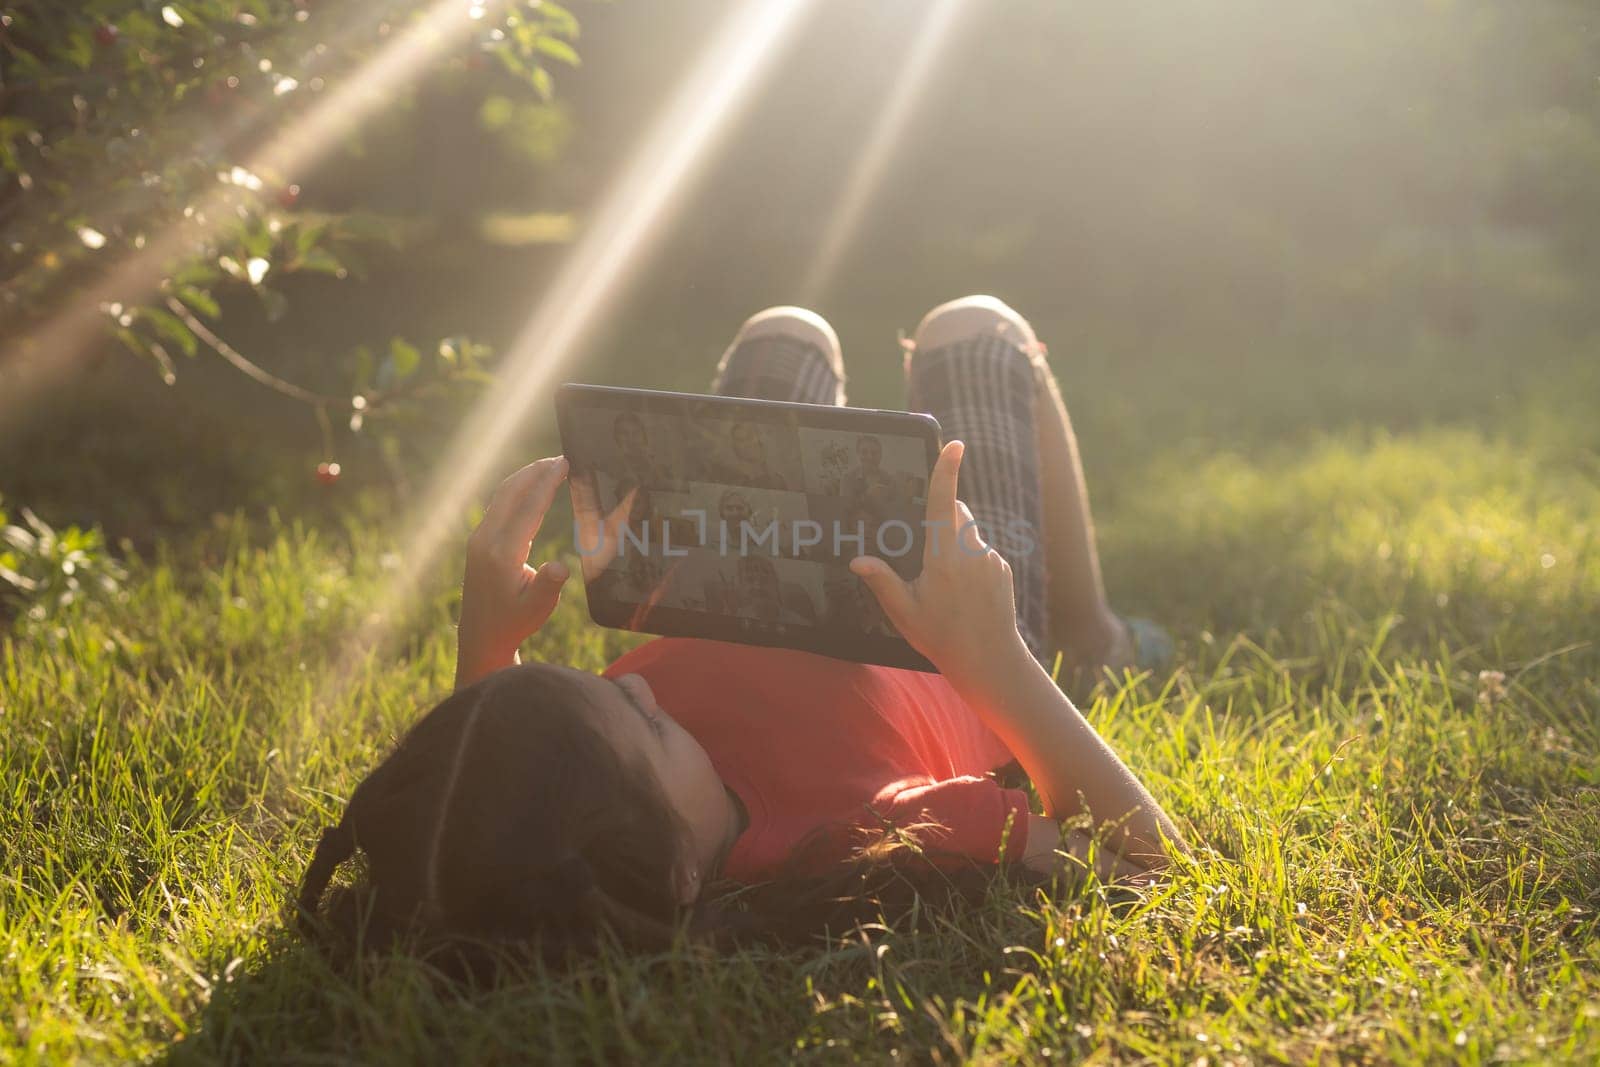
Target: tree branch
point(251, 370)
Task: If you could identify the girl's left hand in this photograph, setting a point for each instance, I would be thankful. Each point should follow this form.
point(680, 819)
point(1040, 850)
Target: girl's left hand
point(504, 601)
point(960, 612)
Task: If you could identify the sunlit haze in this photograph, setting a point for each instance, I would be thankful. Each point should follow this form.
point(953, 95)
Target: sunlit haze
point(615, 245)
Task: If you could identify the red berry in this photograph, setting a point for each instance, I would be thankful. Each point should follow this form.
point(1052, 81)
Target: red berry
point(476, 61)
point(289, 196)
point(106, 34)
point(327, 473)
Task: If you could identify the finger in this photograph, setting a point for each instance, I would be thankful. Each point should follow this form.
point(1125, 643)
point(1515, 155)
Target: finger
point(502, 502)
point(971, 534)
point(533, 490)
point(889, 588)
point(942, 483)
point(543, 592)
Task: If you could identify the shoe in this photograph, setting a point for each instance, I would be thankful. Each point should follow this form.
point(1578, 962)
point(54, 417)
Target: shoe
point(1153, 648)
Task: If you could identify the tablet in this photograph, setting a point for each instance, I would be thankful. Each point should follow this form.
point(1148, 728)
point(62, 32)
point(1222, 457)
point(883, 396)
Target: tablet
point(735, 519)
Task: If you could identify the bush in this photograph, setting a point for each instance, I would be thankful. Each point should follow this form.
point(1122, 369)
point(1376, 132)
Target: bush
point(44, 571)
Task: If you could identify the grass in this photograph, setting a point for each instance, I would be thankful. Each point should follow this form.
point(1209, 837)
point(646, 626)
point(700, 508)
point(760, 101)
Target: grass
point(1399, 856)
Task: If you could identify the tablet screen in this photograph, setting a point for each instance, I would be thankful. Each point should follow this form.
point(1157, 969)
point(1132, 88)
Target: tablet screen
point(736, 519)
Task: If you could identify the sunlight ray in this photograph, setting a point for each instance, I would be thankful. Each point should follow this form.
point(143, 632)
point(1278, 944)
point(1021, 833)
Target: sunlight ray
point(613, 247)
point(882, 142)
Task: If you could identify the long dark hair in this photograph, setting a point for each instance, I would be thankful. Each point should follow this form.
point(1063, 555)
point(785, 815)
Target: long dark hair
point(505, 819)
point(503, 815)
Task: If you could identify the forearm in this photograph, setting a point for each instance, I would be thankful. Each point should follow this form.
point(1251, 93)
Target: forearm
point(961, 614)
point(1070, 764)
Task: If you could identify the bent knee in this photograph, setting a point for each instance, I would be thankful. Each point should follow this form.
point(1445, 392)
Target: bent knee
point(971, 317)
point(801, 324)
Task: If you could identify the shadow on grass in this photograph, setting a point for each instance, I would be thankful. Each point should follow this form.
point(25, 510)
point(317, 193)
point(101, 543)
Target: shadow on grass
point(686, 1005)
point(884, 990)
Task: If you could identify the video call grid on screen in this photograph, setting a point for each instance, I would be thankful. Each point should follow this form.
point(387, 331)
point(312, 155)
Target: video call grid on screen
point(743, 515)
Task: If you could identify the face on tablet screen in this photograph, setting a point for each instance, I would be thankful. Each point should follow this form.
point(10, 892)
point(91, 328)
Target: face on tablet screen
point(736, 520)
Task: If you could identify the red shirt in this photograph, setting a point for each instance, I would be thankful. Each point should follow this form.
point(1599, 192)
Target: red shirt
point(808, 742)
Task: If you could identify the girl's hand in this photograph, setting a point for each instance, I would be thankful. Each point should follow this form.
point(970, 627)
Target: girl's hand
point(504, 601)
point(960, 611)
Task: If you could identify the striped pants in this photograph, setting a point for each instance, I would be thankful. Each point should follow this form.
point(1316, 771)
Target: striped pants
point(974, 365)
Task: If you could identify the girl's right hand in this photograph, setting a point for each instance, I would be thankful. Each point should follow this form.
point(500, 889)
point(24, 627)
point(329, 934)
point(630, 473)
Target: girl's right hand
point(503, 600)
point(960, 612)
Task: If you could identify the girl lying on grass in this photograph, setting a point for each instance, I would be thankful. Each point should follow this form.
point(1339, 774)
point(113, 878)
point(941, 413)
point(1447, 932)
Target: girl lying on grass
point(756, 792)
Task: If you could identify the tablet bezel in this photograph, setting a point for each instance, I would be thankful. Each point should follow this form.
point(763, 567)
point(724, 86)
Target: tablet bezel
point(853, 645)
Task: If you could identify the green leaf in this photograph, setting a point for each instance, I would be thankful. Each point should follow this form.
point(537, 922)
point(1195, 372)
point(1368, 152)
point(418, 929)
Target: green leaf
point(258, 242)
point(200, 300)
point(319, 261)
point(13, 128)
point(168, 326)
point(307, 236)
point(557, 49)
point(140, 28)
point(132, 341)
point(196, 272)
point(79, 49)
point(558, 19)
point(543, 84)
point(405, 357)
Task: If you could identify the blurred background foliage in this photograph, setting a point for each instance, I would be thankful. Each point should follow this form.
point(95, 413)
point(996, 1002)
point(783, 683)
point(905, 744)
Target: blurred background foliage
point(127, 124)
point(1234, 222)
